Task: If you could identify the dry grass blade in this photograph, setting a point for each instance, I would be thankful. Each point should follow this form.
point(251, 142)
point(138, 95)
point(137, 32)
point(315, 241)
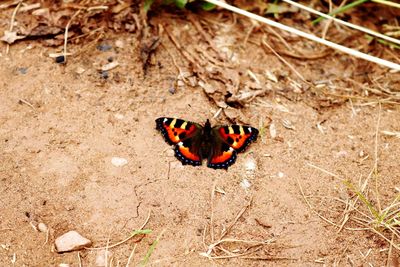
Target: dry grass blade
point(311, 208)
point(12, 22)
point(79, 260)
point(284, 60)
point(232, 240)
point(311, 37)
point(135, 233)
point(66, 34)
point(350, 25)
point(228, 229)
point(131, 255)
point(379, 221)
point(391, 133)
point(216, 249)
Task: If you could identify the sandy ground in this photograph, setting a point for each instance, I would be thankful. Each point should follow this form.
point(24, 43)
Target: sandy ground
point(59, 131)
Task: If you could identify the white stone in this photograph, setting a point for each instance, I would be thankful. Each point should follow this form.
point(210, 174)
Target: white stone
point(119, 162)
point(80, 70)
point(42, 227)
point(119, 44)
point(71, 241)
point(119, 116)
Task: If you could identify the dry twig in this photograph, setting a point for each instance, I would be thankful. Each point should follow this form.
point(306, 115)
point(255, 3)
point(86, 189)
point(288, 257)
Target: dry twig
point(126, 239)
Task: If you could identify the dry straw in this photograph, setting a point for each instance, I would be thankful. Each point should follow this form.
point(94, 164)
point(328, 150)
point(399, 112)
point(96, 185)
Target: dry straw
point(333, 45)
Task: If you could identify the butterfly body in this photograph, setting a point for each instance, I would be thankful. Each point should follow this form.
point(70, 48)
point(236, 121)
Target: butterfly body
point(193, 142)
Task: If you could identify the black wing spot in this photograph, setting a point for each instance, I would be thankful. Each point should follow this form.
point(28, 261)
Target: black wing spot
point(230, 140)
point(182, 135)
point(187, 143)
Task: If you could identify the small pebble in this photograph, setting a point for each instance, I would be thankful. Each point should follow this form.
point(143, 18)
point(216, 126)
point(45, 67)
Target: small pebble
point(60, 59)
point(172, 90)
point(80, 70)
point(119, 44)
point(71, 241)
point(104, 47)
point(104, 74)
point(42, 227)
point(23, 70)
point(119, 162)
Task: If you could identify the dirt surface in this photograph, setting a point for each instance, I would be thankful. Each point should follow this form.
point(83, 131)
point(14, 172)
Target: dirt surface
point(61, 126)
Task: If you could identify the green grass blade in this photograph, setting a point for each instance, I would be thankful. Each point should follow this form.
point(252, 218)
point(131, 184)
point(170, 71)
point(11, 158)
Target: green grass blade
point(142, 232)
point(180, 3)
point(207, 6)
point(371, 208)
point(151, 250)
point(342, 9)
point(147, 5)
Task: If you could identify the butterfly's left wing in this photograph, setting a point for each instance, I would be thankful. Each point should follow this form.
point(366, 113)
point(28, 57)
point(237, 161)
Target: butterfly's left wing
point(228, 141)
point(185, 136)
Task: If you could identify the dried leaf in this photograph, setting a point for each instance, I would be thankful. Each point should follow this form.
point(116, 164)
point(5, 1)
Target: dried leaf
point(287, 124)
point(207, 87)
point(11, 37)
point(270, 76)
point(110, 66)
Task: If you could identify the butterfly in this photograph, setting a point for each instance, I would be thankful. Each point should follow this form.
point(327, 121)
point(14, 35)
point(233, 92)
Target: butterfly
point(194, 142)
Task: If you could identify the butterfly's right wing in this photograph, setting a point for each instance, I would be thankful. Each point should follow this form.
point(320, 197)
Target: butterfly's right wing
point(228, 141)
point(222, 155)
point(185, 135)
